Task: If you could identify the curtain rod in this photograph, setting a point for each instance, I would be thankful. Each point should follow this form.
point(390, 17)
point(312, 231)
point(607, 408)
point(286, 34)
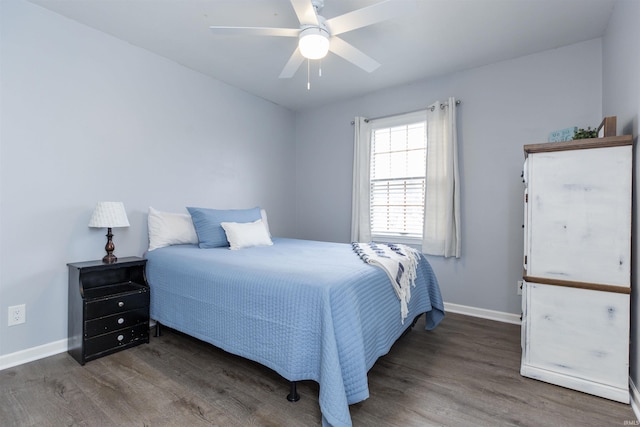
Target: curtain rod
point(458, 102)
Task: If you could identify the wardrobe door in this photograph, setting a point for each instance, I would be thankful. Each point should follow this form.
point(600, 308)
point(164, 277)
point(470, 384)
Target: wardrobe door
point(579, 215)
point(577, 338)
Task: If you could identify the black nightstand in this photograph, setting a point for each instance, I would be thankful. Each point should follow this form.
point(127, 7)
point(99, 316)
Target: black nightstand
point(108, 307)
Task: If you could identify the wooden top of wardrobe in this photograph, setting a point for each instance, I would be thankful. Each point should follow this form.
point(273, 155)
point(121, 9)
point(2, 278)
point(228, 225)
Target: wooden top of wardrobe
point(579, 144)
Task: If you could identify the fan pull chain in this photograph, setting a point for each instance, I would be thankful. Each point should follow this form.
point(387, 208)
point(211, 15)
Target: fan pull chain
point(308, 76)
point(320, 68)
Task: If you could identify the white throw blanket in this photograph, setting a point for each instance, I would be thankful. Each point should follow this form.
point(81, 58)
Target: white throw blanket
point(398, 261)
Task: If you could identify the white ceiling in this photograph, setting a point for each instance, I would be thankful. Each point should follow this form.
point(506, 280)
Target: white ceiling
point(441, 37)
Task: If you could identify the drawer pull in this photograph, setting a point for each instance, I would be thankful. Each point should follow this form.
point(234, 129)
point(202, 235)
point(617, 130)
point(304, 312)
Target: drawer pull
point(121, 321)
point(120, 337)
point(120, 303)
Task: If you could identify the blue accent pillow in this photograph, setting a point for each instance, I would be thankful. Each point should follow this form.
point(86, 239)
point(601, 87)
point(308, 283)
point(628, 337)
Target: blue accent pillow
point(207, 223)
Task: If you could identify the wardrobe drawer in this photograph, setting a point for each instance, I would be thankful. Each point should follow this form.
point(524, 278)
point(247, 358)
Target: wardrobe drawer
point(103, 325)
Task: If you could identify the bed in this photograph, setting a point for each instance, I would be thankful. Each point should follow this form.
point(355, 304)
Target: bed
point(309, 310)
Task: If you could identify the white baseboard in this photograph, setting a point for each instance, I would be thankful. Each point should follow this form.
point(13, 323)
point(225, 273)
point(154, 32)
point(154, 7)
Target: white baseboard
point(483, 313)
point(35, 353)
point(635, 399)
point(31, 354)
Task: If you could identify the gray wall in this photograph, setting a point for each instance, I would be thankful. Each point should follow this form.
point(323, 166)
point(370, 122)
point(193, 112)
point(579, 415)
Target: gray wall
point(621, 98)
point(85, 118)
point(504, 106)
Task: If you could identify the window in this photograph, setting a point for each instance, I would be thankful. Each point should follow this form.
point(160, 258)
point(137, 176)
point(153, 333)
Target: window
point(397, 178)
point(406, 183)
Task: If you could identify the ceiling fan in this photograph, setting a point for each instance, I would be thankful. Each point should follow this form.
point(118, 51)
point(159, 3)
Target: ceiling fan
point(317, 35)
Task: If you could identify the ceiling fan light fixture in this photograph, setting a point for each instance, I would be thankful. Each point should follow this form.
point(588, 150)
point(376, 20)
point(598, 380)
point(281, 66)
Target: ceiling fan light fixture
point(314, 42)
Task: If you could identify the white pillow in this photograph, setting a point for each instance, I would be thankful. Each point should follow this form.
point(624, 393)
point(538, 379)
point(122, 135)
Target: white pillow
point(167, 229)
point(263, 214)
point(245, 235)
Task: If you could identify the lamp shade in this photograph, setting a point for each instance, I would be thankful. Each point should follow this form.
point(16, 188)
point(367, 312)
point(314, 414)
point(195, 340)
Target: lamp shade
point(109, 215)
point(314, 42)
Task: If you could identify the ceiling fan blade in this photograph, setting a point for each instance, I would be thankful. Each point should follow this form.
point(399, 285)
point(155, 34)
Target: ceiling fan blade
point(305, 12)
point(353, 55)
point(255, 31)
point(292, 65)
point(369, 15)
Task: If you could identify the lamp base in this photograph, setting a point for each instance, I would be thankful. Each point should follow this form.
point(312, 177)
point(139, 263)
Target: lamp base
point(109, 258)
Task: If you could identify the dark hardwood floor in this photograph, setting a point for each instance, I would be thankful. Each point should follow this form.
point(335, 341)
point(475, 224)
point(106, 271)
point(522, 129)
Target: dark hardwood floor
point(464, 373)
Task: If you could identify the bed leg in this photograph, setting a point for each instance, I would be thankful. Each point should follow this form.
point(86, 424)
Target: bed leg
point(410, 328)
point(415, 320)
point(293, 395)
point(158, 332)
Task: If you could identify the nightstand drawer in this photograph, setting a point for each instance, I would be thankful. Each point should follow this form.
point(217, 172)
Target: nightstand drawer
point(103, 325)
point(114, 340)
point(116, 304)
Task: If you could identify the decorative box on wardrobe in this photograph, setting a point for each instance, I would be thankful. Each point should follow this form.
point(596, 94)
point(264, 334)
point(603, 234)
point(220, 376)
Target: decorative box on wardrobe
point(577, 260)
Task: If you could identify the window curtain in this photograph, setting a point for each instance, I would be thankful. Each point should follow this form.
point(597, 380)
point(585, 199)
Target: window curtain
point(441, 234)
point(360, 207)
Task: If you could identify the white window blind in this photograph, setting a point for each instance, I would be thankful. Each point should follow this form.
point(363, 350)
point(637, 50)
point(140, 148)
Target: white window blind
point(398, 165)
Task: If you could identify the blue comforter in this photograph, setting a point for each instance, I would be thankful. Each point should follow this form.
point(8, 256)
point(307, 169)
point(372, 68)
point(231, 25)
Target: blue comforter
point(308, 310)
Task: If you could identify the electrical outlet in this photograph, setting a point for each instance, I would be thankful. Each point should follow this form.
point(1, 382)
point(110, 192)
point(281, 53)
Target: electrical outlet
point(17, 314)
point(519, 287)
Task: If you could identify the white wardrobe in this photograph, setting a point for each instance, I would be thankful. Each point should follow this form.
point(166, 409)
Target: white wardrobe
point(577, 263)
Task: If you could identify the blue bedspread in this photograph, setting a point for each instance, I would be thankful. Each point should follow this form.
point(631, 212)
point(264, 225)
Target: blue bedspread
point(308, 310)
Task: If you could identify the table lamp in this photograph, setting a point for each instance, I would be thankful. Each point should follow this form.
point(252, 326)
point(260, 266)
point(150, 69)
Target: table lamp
point(109, 215)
